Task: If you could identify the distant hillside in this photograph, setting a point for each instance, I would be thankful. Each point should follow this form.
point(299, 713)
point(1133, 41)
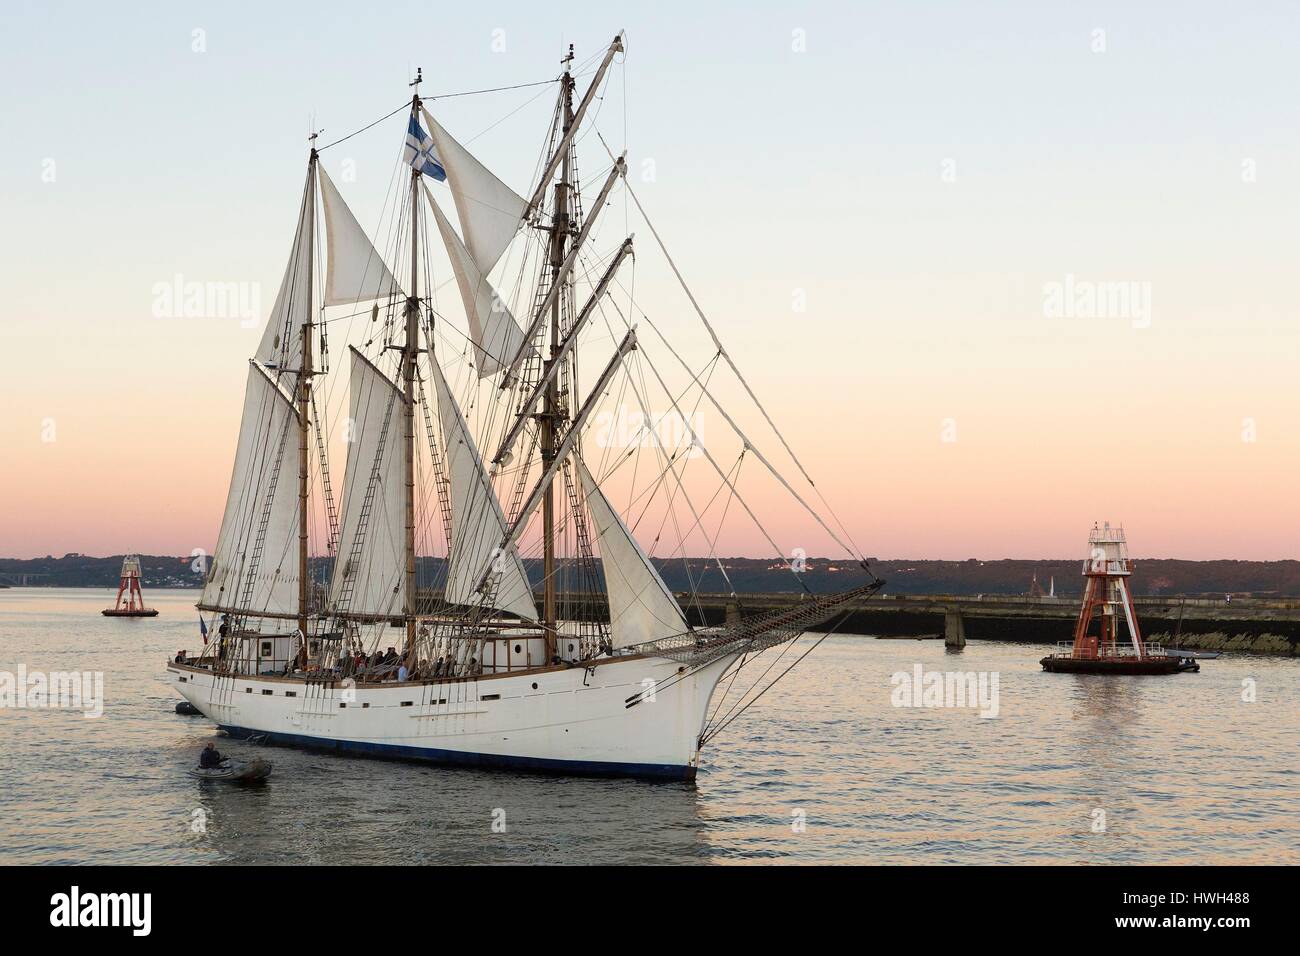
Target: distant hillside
point(1008, 576)
point(1154, 576)
point(84, 571)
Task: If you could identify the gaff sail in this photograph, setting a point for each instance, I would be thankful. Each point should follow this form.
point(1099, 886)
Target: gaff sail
point(255, 568)
point(370, 568)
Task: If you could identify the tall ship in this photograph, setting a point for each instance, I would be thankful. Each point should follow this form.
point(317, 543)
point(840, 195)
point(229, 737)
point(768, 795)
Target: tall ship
point(397, 616)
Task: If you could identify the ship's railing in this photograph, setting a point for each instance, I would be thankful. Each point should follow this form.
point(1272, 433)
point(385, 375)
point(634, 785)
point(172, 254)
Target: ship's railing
point(1113, 651)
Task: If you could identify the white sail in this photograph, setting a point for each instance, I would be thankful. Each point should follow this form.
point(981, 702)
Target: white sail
point(370, 566)
point(354, 271)
point(255, 567)
point(489, 210)
point(281, 345)
point(641, 608)
point(477, 522)
point(493, 330)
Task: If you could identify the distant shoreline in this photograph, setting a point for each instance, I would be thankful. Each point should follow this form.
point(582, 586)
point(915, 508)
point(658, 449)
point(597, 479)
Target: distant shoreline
point(1157, 577)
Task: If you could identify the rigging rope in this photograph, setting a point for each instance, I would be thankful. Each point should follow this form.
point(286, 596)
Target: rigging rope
point(852, 550)
point(711, 733)
point(406, 105)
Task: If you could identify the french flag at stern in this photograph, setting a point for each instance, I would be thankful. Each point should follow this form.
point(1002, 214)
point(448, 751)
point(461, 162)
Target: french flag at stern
point(420, 153)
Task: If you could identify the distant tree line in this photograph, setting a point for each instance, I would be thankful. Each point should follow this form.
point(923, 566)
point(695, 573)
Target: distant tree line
point(1154, 576)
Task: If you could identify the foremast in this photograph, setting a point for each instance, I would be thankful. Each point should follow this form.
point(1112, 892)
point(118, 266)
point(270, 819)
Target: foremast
point(410, 351)
point(258, 570)
point(304, 424)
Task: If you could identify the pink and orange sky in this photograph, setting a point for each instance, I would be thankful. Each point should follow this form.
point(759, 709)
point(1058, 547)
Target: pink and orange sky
point(880, 209)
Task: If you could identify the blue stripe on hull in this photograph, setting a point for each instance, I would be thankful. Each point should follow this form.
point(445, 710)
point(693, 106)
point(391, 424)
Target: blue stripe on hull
point(594, 768)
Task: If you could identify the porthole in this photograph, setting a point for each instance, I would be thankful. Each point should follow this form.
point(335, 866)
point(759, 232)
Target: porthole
point(534, 685)
point(518, 649)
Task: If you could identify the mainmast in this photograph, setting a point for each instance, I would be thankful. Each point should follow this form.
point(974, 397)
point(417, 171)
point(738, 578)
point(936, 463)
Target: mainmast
point(410, 349)
point(304, 422)
point(560, 228)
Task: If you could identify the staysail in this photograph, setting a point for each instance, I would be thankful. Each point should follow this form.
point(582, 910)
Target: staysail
point(255, 568)
point(641, 608)
point(490, 211)
point(493, 330)
point(370, 568)
point(281, 345)
point(477, 522)
point(355, 272)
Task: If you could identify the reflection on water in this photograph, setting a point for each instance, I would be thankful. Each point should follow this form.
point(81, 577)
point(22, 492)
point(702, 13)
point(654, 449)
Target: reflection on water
point(1183, 768)
point(414, 814)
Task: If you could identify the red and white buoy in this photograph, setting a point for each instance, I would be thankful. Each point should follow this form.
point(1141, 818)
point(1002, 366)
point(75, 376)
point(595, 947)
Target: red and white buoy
point(1107, 609)
point(130, 588)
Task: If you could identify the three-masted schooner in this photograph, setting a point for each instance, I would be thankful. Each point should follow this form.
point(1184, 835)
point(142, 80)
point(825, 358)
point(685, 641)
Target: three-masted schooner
point(606, 675)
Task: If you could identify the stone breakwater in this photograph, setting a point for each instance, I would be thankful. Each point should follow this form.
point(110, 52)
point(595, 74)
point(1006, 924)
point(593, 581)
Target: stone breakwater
point(1241, 625)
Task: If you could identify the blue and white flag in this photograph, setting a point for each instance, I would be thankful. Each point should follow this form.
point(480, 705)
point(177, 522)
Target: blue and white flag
point(420, 152)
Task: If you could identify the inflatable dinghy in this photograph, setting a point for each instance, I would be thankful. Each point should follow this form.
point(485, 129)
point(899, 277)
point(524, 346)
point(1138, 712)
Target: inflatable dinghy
point(234, 770)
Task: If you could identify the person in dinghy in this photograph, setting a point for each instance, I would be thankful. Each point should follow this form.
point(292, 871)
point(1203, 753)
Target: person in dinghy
point(210, 758)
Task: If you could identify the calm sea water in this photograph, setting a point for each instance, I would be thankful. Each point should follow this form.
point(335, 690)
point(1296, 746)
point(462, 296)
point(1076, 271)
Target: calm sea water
point(823, 769)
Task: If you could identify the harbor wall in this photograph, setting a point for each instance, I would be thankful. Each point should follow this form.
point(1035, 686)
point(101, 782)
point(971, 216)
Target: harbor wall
point(1265, 627)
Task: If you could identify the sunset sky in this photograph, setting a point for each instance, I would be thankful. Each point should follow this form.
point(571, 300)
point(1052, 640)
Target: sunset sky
point(895, 214)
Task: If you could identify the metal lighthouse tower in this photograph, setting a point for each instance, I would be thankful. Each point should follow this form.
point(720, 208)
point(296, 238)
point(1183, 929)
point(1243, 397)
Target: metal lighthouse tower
point(1107, 607)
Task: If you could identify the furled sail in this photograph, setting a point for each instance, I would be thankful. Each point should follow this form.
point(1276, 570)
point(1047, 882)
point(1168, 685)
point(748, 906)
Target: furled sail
point(489, 210)
point(255, 567)
point(641, 608)
point(370, 567)
point(355, 272)
point(281, 345)
point(495, 333)
point(477, 522)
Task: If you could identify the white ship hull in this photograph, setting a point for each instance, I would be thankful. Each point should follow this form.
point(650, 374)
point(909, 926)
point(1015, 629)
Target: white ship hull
point(563, 720)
